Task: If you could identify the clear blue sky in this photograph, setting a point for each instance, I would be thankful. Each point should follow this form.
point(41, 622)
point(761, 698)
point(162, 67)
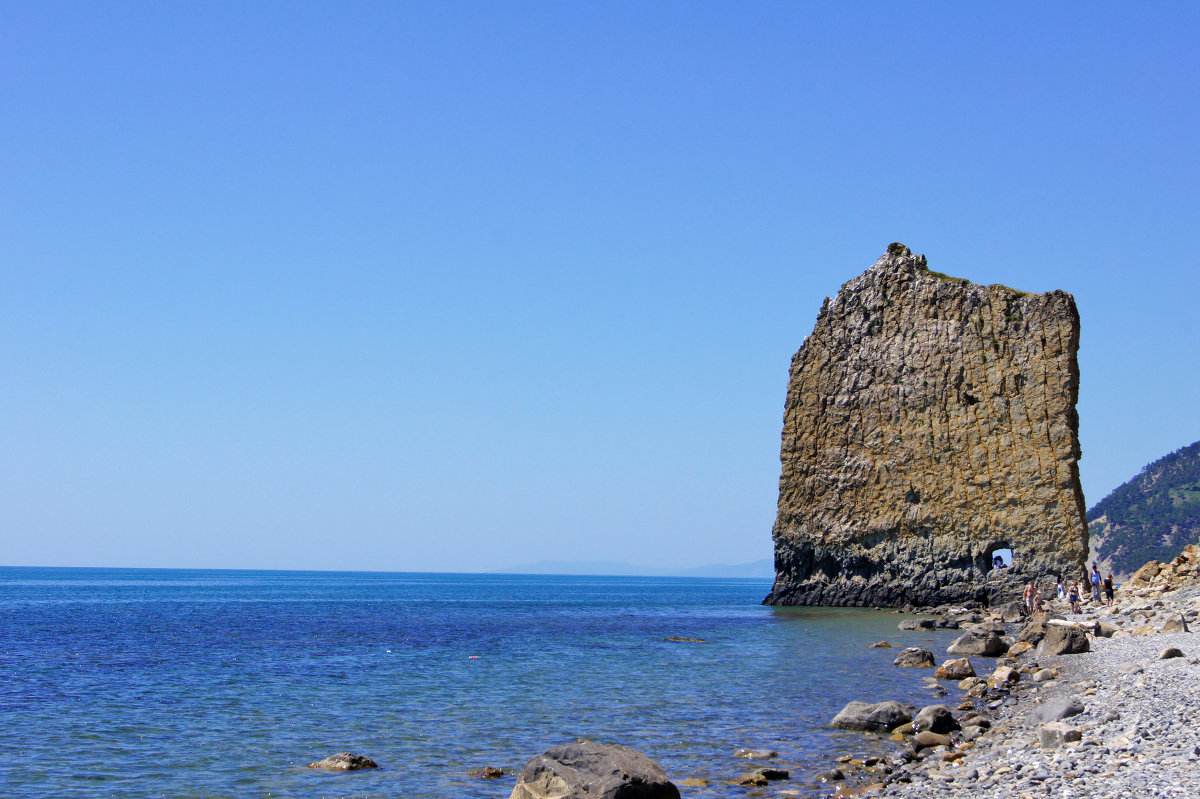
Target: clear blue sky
point(454, 286)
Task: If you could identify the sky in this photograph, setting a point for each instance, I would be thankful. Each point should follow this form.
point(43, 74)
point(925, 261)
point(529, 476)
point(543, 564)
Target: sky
point(449, 286)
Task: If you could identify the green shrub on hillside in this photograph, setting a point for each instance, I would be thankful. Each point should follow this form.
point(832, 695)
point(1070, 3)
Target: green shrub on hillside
point(1154, 515)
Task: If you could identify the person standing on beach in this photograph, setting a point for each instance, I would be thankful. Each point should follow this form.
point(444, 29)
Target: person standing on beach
point(1060, 591)
point(1028, 598)
point(1095, 583)
point(1109, 590)
point(1073, 597)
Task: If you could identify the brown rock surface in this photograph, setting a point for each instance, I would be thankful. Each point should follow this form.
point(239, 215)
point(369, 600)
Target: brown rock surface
point(928, 422)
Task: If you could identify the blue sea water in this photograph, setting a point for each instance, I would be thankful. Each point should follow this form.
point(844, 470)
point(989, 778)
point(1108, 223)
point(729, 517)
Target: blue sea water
point(172, 683)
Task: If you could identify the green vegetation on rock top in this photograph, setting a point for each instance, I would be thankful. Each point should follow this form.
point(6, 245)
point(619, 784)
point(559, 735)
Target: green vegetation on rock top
point(897, 248)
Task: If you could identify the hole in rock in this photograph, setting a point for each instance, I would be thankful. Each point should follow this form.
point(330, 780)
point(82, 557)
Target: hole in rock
point(1001, 558)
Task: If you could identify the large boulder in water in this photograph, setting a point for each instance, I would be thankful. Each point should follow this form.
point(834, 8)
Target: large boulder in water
point(588, 770)
point(879, 717)
point(914, 657)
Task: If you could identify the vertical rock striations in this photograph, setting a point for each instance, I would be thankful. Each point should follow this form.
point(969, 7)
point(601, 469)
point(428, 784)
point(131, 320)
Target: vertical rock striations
point(929, 421)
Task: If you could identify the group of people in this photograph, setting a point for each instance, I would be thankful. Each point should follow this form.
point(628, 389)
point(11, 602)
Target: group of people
point(1074, 594)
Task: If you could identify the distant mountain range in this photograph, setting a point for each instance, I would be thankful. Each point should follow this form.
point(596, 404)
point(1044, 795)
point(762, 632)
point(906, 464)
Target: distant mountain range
point(764, 569)
point(1151, 517)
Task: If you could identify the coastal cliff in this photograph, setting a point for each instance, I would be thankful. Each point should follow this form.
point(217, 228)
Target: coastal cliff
point(929, 421)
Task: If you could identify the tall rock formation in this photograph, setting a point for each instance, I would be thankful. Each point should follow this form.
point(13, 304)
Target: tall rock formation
point(929, 422)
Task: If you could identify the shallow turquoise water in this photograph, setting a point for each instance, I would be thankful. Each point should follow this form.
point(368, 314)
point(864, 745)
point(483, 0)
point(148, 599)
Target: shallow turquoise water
point(164, 683)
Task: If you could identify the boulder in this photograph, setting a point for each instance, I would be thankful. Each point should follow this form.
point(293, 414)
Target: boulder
point(1056, 733)
point(956, 669)
point(978, 642)
point(935, 718)
point(1013, 612)
point(880, 645)
point(1146, 573)
point(879, 717)
point(588, 770)
point(1170, 652)
point(1057, 709)
point(1033, 632)
point(917, 624)
point(914, 658)
point(1019, 648)
point(1175, 624)
point(927, 740)
point(344, 761)
point(1064, 640)
point(1003, 676)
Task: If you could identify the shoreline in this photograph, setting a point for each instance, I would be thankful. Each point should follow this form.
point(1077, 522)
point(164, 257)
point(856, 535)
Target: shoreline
point(1137, 732)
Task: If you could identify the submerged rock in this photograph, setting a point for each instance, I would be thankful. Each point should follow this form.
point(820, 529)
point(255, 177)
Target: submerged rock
point(756, 754)
point(344, 761)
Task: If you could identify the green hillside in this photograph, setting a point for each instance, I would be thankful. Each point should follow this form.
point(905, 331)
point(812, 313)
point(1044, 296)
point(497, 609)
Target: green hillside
point(1151, 517)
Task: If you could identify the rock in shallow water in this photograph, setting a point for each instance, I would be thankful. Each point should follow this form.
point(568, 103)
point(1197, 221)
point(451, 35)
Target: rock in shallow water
point(756, 754)
point(956, 669)
point(588, 770)
point(981, 642)
point(914, 658)
point(879, 717)
point(935, 718)
point(344, 761)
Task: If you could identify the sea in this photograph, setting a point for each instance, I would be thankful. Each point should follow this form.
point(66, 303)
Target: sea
point(188, 683)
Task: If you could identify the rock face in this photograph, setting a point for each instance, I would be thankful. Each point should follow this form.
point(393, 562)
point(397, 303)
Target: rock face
point(588, 770)
point(929, 422)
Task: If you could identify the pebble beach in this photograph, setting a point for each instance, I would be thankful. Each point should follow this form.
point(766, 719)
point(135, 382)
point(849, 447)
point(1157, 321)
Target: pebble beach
point(1118, 720)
